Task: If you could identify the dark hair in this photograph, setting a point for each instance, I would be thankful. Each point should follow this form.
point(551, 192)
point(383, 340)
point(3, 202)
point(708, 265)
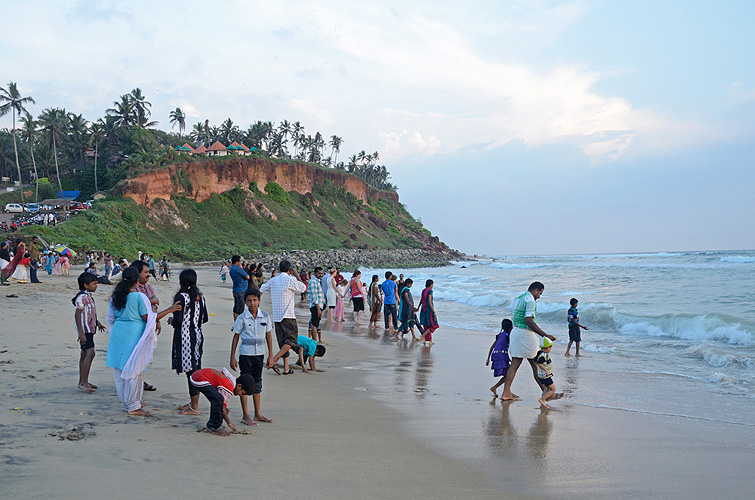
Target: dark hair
point(356, 272)
point(188, 282)
point(507, 325)
point(573, 302)
point(129, 278)
point(235, 258)
point(388, 275)
point(408, 282)
point(536, 285)
point(318, 268)
point(246, 382)
point(428, 283)
point(284, 266)
point(375, 277)
point(320, 351)
point(252, 291)
point(139, 265)
point(85, 278)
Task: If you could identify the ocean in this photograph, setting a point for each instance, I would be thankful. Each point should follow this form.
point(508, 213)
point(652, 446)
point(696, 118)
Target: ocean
point(670, 346)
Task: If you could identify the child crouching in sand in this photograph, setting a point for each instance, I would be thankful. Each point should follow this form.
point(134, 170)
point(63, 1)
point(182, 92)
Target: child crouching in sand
point(544, 371)
point(499, 352)
point(86, 326)
point(218, 387)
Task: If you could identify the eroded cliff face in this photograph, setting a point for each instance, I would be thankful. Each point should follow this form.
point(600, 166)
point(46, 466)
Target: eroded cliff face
point(198, 180)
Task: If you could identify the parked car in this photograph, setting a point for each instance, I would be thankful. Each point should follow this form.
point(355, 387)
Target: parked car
point(32, 208)
point(14, 208)
point(77, 205)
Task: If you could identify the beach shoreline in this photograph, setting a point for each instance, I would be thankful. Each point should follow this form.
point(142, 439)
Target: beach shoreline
point(384, 419)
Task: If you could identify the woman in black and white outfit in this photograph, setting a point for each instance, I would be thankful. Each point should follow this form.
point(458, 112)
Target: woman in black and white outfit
point(187, 334)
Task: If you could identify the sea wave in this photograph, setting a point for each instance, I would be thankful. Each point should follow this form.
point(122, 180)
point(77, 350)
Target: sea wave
point(738, 259)
point(717, 358)
point(506, 265)
point(688, 327)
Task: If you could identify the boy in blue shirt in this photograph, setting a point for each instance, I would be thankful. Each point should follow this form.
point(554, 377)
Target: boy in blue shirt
point(239, 278)
point(253, 329)
point(390, 299)
point(575, 334)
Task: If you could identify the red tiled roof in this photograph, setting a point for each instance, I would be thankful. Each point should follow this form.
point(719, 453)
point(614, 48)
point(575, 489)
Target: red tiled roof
point(218, 146)
point(200, 149)
point(245, 148)
point(188, 146)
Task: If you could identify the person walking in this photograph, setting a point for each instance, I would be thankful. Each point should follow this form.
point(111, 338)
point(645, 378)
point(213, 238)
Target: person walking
point(34, 262)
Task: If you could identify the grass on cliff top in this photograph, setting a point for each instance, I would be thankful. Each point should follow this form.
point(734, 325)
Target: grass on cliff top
point(219, 226)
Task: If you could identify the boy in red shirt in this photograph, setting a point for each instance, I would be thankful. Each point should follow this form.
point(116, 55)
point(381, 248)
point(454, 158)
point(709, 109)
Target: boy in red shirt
point(218, 387)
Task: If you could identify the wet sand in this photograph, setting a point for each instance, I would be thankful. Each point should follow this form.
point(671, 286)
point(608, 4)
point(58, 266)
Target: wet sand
point(381, 419)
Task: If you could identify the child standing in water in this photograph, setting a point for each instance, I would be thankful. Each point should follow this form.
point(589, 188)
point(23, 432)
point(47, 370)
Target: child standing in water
point(499, 352)
point(575, 333)
point(544, 371)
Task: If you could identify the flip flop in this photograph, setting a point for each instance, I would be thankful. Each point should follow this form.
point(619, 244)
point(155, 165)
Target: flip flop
point(149, 387)
point(275, 369)
point(289, 372)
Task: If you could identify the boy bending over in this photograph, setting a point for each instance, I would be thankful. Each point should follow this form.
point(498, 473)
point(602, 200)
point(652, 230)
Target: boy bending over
point(218, 387)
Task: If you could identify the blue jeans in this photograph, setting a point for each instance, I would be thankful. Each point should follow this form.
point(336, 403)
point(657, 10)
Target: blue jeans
point(216, 406)
point(389, 311)
point(33, 271)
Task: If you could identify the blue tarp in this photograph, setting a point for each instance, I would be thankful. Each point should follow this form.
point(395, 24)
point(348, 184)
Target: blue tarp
point(69, 195)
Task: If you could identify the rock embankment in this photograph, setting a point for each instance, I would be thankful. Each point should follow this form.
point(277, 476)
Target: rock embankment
point(349, 259)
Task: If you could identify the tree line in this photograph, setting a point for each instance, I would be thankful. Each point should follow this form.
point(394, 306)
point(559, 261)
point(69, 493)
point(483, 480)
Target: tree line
point(61, 149)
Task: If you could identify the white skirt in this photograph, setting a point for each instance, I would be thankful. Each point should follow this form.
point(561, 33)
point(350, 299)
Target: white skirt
point(523, 344)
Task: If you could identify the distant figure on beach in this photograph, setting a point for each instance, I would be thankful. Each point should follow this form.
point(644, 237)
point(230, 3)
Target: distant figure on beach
point(523, 341)
point(375, 297)
point(283, 289)
point(406, 311)
point(575, 334)
point(427, 316)
point(390, 301)
point(34, 262)
point(499, 353)
point(188, 341)
point(316, 304)
point(87, 324)
point(306, 348)
point(342, 291)
point(544, 371)
point(223, 271)
point(356, 290)
point(239, 278)
point(331, 293)
point(253, 330)
point(218, 387)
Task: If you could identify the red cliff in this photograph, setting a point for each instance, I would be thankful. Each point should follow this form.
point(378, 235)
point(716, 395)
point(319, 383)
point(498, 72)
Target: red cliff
point(200, 179)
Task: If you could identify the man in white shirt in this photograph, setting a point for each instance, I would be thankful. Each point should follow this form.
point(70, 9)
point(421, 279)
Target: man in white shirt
point(283, 288)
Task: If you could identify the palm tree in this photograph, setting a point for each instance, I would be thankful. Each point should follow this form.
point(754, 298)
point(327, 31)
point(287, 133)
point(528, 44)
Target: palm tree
point(297, 133)
point(76, 136)
point(15, 104)
point(335, 146)
point(177, 116)
point(141, 108)
point(97, 134)
point(53, 120)
point(123, 111)
point(29, 131)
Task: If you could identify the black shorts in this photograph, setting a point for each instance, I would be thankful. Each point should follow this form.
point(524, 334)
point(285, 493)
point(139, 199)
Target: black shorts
point(89, 344)
point(575, 333)
point(238, 302)
point(252, 365)
point(287, 332)
point(315, 319)
point(547, 382)
point(358, 303)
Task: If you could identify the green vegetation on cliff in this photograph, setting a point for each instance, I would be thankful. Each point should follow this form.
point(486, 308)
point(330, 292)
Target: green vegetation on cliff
point(243, 220)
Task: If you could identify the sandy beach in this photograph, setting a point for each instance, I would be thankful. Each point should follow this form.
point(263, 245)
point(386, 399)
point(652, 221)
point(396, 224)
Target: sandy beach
point(380, 419)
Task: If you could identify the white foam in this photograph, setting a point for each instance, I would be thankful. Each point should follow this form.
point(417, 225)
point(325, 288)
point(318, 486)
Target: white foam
point(738, 259)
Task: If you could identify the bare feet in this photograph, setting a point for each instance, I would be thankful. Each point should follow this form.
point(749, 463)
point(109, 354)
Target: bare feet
point(86, 387)
point(184, 407)
point(558, 395)
point(261, 418)
point(247, 420)
point(566, 353)
point(510, 397)
point(189, 411)
point(542, 403)
point(222, 432)
point(492, 389)
point(431, 343)
point(93, 386)
point(139, 413)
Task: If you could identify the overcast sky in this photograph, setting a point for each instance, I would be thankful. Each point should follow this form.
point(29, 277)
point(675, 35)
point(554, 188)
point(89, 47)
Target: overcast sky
point(510, 127)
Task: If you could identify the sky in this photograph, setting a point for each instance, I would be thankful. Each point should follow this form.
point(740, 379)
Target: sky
point(510, 127)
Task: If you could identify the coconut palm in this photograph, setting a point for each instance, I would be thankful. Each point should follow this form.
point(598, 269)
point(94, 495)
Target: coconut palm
point(297, 133)
point(29, 130)
point(14, 103)
point(76, 136)
point(178, 117)
point(53, 121)
point(123, 112)
point(335, 147)
point(141, 109)
point(97, 134)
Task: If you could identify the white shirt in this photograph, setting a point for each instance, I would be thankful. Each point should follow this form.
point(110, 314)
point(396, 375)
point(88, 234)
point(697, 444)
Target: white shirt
point(282, 292)
point(252, 332)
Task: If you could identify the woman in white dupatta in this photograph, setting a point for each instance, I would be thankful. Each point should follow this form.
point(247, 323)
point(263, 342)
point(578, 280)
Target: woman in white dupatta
point(132, 340)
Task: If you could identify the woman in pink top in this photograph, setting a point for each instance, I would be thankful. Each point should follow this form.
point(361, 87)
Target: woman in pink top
point(357, 295)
